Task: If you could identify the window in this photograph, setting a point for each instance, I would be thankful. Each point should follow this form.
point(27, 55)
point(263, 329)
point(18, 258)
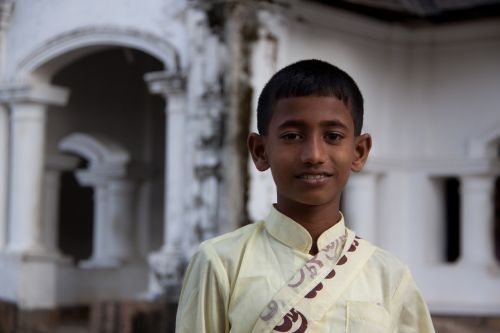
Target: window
point(497, 219)
point(451, 192)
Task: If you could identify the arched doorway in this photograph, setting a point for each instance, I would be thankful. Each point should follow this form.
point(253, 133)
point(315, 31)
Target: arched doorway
point(102, 69)
point(110, 98)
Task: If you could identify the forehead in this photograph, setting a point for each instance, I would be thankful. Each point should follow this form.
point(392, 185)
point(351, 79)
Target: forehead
point(310, 110)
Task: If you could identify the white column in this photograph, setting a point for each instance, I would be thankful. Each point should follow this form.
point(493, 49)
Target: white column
point(121, 217)
point(398, 215)
point(167, 263)
point(103, 251)
point(4, 160)
point(477, 244)
point(50, 214)
point(5, 14)
point(361, 205)
point(261, 191)
point(114, 239)
point(27, 176)
point(174, 167)
point(28, 106)
point(171, 87)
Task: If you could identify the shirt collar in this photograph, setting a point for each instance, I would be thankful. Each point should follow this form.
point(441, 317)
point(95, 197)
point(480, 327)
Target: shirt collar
point(292, 234)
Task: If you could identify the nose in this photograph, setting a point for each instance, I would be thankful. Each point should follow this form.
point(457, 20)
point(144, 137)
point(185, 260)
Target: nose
point(313, 151)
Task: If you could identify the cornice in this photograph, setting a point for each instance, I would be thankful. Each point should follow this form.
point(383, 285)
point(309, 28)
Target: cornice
point(39, 93)
point(437, 167)
point(317, 15)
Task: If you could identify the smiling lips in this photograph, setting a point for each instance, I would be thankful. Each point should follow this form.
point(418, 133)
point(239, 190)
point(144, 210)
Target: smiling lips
point(314, 178)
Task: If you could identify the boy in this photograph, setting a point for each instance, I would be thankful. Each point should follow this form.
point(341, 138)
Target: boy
point(301, 269)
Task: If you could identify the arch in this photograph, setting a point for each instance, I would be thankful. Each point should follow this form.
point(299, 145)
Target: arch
point(102, 153)
point(59, 51)
point(485, 146)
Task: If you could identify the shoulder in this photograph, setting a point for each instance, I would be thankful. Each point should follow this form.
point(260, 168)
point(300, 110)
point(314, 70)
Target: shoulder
point(386, 267)
point(217, 256)
point(231, 245)
point(383, 259)
point(234, 238)
point(388, 261)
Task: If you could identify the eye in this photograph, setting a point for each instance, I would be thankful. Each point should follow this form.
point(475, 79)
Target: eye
point(291, 136)
point(333, 136)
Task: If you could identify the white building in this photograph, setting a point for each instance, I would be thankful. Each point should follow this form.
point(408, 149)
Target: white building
point(122, 130)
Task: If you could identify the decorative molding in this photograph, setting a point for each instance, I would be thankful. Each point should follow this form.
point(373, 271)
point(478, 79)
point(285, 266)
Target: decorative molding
point(484, 146)
point(435, 166)
point(60, 162)
point(318, 15)
point(165, 83)
point(39, 93)
point(95, 38)
point(106, 157)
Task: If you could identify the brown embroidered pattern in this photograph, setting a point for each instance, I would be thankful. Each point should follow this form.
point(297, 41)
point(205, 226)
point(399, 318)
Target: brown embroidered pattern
point(313, 264)
point(271, 309)
point(293, 315)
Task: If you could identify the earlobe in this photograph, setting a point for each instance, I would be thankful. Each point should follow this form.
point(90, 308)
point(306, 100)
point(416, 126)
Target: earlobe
point(363, 144)
point(257, 150)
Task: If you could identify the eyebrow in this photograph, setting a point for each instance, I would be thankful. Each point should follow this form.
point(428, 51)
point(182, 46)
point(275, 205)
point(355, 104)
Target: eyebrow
point(301, 123)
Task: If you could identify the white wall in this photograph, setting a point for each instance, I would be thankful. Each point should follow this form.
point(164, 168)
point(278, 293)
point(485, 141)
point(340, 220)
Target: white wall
point(36, 22)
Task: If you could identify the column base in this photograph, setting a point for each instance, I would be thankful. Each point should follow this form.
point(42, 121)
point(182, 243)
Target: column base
point(29, 279)
point(37, 254)
point(166, 270)
point(100, 263)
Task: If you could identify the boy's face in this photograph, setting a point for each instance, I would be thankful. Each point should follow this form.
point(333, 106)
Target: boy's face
point(311, 149)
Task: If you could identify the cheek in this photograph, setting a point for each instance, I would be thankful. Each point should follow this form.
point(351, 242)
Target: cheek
point(280, 170)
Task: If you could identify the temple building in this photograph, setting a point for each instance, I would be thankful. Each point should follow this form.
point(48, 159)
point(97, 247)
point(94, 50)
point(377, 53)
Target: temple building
point(123, 130)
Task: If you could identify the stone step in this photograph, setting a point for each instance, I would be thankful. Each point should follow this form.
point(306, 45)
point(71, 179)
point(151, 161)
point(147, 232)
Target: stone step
point(71, 328)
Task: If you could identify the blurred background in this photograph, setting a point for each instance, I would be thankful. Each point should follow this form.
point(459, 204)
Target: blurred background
point(123, 128)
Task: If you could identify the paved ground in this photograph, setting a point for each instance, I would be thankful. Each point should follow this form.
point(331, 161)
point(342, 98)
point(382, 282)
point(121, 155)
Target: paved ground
point(446, 324)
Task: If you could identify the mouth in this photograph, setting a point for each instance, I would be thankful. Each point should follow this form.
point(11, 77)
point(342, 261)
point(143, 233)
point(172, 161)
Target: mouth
point(314, 178)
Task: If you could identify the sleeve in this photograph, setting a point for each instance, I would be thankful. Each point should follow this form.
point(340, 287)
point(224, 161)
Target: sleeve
point(412, 313)
point(204, 297)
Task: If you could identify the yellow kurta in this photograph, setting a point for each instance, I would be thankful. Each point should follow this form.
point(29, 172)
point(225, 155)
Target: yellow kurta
point(232, 278)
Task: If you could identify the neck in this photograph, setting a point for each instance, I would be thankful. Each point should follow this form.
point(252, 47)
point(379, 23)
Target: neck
point(315, 219)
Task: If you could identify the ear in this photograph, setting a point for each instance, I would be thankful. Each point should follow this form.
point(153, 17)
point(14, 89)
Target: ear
point(363, 144)
point(257, 149)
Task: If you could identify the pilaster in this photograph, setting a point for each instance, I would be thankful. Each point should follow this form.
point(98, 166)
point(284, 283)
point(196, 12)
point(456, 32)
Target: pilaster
point(4, 160)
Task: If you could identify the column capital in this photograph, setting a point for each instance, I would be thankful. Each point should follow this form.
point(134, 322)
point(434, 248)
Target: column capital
point(38, 93)
point(477, 183)
point(166, 83)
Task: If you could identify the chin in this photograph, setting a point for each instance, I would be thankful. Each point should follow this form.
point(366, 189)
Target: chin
point(311, 201)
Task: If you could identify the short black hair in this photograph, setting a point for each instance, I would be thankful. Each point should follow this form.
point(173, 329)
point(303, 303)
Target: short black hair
point(310, 78)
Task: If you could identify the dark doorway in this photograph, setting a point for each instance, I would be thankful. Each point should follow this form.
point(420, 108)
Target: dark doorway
point(109, 98)
point(452, 218)
point(76, 217)
point(497, 219)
